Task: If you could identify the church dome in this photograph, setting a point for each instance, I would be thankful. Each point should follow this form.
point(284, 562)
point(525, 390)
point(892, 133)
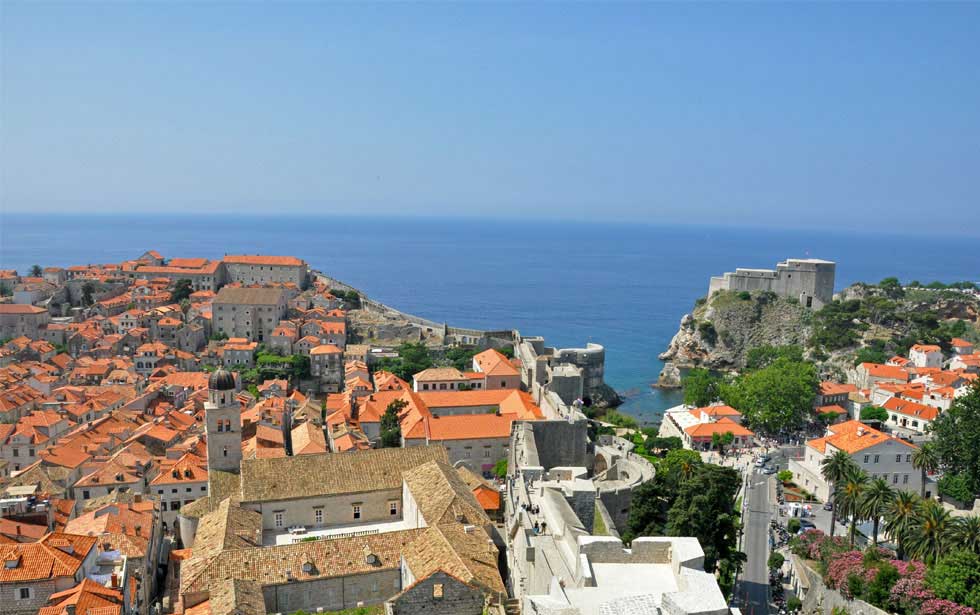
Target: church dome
point(221, 380)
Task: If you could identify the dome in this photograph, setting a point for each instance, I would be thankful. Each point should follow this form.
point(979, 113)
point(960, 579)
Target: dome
point(221, 380)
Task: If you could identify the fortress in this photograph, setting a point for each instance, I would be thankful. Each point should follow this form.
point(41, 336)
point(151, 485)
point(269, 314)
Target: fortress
point(810, 280)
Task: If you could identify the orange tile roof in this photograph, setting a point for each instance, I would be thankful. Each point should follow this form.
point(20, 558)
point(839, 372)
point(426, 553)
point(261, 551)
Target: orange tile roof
point(706, 430)
point(45, 559)
point(852, 437)
point(835, 388)
point(926, 348)
point(831, 409)
point(256, 259)
point(958, 342)
point(911, 408)
point(325, 349)
point(493, 363)
point(88, 597)
point(469, 427)
point(885, 371)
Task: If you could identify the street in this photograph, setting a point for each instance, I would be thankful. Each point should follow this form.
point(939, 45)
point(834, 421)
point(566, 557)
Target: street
point(753, 585)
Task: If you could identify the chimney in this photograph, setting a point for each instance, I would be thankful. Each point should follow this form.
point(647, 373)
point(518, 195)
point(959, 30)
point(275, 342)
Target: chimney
point(115, 580)
point(138, 498)
point(18, 529)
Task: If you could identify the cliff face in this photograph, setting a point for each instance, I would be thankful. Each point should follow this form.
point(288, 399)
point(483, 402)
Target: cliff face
point(720, 332)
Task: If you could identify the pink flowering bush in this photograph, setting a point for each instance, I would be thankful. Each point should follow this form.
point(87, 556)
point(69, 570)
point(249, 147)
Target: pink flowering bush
point(937, 606)
point(908, 594)
point(843, 566)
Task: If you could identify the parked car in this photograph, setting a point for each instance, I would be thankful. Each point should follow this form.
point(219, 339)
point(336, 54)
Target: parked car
point(828, 506)
point(806, 524)
point(769, 470)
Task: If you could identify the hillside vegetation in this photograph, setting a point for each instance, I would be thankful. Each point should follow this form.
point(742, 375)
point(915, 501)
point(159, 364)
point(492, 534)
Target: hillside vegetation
point(865, 322)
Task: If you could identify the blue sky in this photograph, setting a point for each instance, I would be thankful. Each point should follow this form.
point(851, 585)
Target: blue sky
point(830, 115)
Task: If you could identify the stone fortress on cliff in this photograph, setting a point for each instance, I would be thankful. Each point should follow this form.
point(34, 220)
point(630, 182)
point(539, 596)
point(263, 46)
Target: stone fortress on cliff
point(810, 280)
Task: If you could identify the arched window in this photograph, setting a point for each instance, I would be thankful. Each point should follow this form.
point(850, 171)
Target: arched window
point(221, 426)
point(224, 451)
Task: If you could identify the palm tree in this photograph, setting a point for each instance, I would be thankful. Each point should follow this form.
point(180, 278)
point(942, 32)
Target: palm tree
point(900, 517)
point(926, 460)
point(834, 469)
point(877, 498)
point(930, 535)
point(36, 271)
point(966, 533)
point(851, 496)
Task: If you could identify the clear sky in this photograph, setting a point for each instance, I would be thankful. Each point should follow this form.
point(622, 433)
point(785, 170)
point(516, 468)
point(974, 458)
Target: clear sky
point(862, 115)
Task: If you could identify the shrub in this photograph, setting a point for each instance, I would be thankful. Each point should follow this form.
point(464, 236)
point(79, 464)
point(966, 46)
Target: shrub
point(793, 525)
point(794, 604)
point(937, 606)
point(874, 413)
point(785, 476)
point(776, 560)
point(744, 295)
point(956, 486)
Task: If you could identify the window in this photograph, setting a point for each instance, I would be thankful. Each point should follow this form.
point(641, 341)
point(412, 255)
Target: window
point(188, 490)
point(175, 505)
point(224, 451)
point(173, 491)
point(86, 495)
point(16, 452)
point(895, 479)
point(357, 511)
point(278, 519)
point(318, 515)
point(24, 593)
point(898, 458)
point(486, 453)
point(159, 491)
point(866, 458)
point(442, 386)
point(30, 452)
point(908, 459)
point(437, 590)
point(905, 479)
point(393, 508)
point(876, 458)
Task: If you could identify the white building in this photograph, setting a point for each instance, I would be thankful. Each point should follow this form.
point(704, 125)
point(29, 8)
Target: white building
point(877, 453)
point(926, 355)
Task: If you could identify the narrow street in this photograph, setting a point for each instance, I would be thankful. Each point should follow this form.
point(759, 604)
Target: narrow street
point(753, 586)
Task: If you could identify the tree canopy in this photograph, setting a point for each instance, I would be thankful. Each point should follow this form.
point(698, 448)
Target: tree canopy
point(700, 388)
point(956, 436)
point(182, 290)
point(391, 431)
point(778, 396)
point(874, 413)
point(412, 358)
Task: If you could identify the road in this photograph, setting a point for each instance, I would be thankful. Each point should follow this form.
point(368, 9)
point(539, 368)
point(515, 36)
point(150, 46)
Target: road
point(753, 585)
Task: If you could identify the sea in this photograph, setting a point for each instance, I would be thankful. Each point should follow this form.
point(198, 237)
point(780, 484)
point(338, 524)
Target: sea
point(623, 285)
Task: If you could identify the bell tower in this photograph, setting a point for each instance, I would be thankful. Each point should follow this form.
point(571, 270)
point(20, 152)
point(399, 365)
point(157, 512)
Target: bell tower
point(223, 423)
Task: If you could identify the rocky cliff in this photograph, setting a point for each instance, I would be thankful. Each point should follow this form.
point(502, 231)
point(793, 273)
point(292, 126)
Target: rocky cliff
point(865, 323)
point(721, 331)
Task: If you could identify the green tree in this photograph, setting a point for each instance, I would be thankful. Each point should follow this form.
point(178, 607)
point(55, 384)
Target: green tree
point(793, 525)
point(851, 496)
point(965, 533)
point(785, 476)
point(834, 470)
point(874, 413)
point(391, 431)
point(500, 468)
point(956, 577)
point(900, 517)
point(929, 536)
point(700, 388)
point(721, 440)
point(88, 288)
point(461, 357)
point(776, 560)
point(775, 397)
point(763, 356)
point(877, 499)
point(705, 508)
point(892, 287)
point(36, 271)
point(878, 591)
point(956, 436)
point(182, 290)
point(926, 460)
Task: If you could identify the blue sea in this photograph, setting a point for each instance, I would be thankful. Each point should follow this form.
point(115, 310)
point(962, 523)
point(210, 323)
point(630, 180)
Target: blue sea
point(625, 286)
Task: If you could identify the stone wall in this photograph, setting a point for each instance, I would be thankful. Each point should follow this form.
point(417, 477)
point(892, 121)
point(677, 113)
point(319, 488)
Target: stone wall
point(439, 594)
point(332, 594)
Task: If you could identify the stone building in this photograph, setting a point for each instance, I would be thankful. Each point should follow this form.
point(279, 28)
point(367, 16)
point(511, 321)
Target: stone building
point(569, 373)
point(18, 319)
point(558, 482)
point(251, 313)
point(809, 280)
point(336, 531)
point(879, 454)
point(223, 423)
point(252, 269)
point(33, 572)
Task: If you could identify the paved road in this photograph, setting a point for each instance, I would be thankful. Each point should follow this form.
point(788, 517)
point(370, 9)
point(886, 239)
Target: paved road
point(753, 586)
